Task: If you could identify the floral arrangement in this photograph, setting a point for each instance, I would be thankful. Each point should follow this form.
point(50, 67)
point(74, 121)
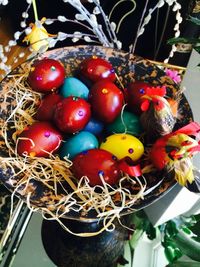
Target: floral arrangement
point(171, 152)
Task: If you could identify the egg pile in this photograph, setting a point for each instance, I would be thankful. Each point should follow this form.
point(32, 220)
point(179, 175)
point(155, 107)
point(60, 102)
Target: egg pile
point(86, 118)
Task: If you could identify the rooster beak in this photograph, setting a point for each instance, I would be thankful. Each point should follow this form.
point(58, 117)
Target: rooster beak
point(146, 97)
point(180, 153)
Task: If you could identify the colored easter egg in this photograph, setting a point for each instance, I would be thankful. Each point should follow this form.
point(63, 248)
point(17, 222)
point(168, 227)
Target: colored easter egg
point(96, 68)
point(96, 162)
point(123, 145)
point(135, 90)
point(72, 114)
point(94, 126)
point(74, 87)
point(125, 122)
point(106, 100)
point(46, 75)
point(46, 109)
point(78, 143)
point(38, 140)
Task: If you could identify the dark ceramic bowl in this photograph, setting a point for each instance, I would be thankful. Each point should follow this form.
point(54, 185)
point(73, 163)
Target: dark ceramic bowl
point(128, 67)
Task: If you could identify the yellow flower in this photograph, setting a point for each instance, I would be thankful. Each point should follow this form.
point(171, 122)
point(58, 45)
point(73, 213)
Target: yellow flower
point(38, 37)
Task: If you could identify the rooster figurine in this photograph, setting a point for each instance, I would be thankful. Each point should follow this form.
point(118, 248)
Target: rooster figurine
point(173, 153)
point(158, 118)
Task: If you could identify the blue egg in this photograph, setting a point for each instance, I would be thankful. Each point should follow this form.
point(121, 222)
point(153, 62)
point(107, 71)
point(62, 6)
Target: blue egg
point(94, 126)
point(78, 143)
point(74, 87)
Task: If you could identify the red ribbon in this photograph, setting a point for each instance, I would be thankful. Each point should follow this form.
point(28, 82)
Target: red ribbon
point(128, 166)
point(193, 128)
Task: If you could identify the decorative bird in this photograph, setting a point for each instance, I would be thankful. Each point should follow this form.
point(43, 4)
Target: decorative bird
point(173, 152)
point(158, 118)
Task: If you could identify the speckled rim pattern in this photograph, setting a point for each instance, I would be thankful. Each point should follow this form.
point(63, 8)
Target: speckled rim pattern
point(128, 68)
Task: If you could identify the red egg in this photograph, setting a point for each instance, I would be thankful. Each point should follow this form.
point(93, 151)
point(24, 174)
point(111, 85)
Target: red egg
point(38, 140)
point(96, 162)
point(106, 100)
point(95, 69)
point(46, 75)
point(72, 114)
point(46, 109)
point(135, 91)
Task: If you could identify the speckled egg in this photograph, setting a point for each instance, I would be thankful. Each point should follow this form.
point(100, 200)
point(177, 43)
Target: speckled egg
point(123, 145)
point(78, 143)
point(74, 87)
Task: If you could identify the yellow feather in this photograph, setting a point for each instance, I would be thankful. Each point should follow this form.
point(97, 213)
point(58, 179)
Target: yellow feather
point(184, 171)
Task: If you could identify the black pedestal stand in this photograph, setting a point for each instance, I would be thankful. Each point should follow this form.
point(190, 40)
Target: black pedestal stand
point(67, 250)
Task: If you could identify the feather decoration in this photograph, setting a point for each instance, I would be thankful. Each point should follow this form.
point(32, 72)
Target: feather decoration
point(157, 118)
point(184, 171)
point(174, 152)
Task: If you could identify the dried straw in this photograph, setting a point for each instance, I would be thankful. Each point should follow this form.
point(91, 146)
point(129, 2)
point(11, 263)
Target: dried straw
point(69, 195)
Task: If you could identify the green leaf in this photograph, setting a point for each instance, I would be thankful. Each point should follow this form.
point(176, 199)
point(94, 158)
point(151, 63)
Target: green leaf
point(187, 245)
point(183, 264)
point(172, 254)
point(197, 48)
point(183, 221)
point(194, 20)
point(197, 217)
point(171, 229)
point(135, 238)
point(178, 40)
point(151, 232)
point(137, 219)
point(188, 231)
point(169, 254)
point(178, 254)
point(184, 40)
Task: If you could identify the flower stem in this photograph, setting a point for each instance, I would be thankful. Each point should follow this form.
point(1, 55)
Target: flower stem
point(35, 10)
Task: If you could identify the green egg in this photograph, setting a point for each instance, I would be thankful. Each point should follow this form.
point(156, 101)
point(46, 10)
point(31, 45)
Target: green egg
point(126, 122)
point(78, 143)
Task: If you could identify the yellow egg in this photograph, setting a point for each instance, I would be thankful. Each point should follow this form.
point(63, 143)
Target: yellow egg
point(123, 145)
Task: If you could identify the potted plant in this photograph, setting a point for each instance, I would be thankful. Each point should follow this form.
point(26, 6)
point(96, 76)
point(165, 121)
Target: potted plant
point(180, 238)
